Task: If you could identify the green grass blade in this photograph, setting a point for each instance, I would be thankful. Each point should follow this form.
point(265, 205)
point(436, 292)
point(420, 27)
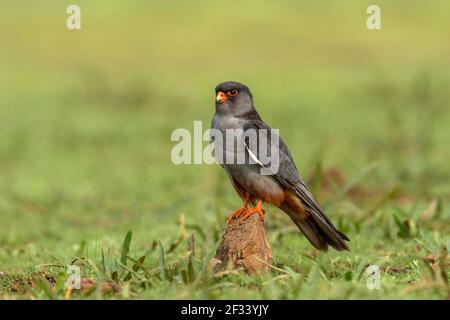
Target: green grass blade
point(126, 247)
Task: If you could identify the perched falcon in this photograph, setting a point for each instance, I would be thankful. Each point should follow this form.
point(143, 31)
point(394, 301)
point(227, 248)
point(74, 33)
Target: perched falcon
point(257, 181)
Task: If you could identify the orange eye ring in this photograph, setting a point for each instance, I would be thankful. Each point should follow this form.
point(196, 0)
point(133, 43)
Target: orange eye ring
point(232, 92)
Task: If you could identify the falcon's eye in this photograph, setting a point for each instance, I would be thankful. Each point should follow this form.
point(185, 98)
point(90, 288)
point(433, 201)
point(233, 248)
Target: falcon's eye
point(232, 92)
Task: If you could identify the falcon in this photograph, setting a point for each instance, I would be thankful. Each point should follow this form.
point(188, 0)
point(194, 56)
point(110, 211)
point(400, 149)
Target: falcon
point(257, 181)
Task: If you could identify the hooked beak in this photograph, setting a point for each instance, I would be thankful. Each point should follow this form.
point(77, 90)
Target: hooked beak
point(221, 97)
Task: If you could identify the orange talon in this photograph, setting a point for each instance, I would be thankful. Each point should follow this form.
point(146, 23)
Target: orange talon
point(236, 213)
point(258, 209)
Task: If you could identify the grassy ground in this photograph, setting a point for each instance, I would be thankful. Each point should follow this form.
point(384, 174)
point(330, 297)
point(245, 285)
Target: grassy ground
point(86, 118)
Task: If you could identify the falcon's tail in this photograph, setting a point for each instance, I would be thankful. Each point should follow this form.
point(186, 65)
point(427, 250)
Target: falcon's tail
point(320, 232)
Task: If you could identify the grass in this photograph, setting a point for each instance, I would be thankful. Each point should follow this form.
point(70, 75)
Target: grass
point(85, 146)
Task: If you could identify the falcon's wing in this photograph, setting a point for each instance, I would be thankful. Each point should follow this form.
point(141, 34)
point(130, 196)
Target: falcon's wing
point(287, 174)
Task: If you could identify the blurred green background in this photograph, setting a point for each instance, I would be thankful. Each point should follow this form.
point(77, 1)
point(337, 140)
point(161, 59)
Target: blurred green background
point(86, 118)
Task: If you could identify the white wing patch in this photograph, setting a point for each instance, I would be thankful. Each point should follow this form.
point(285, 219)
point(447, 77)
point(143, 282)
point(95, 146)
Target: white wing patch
point(253, 156)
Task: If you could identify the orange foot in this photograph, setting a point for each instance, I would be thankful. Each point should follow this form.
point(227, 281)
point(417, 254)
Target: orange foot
point(258, 209)
point(238, 212)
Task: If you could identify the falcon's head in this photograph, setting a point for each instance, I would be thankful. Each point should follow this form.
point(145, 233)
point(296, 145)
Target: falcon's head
point(233, 98)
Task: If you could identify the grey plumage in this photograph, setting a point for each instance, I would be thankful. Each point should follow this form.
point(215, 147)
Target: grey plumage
point(284, 187)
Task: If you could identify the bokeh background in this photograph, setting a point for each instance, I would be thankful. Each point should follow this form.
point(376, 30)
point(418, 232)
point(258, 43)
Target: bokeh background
point(86, 118)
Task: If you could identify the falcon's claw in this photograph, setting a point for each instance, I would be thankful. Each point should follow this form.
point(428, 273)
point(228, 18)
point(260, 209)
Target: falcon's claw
point(258, 209)
point(249, 212)
point(236, 213)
